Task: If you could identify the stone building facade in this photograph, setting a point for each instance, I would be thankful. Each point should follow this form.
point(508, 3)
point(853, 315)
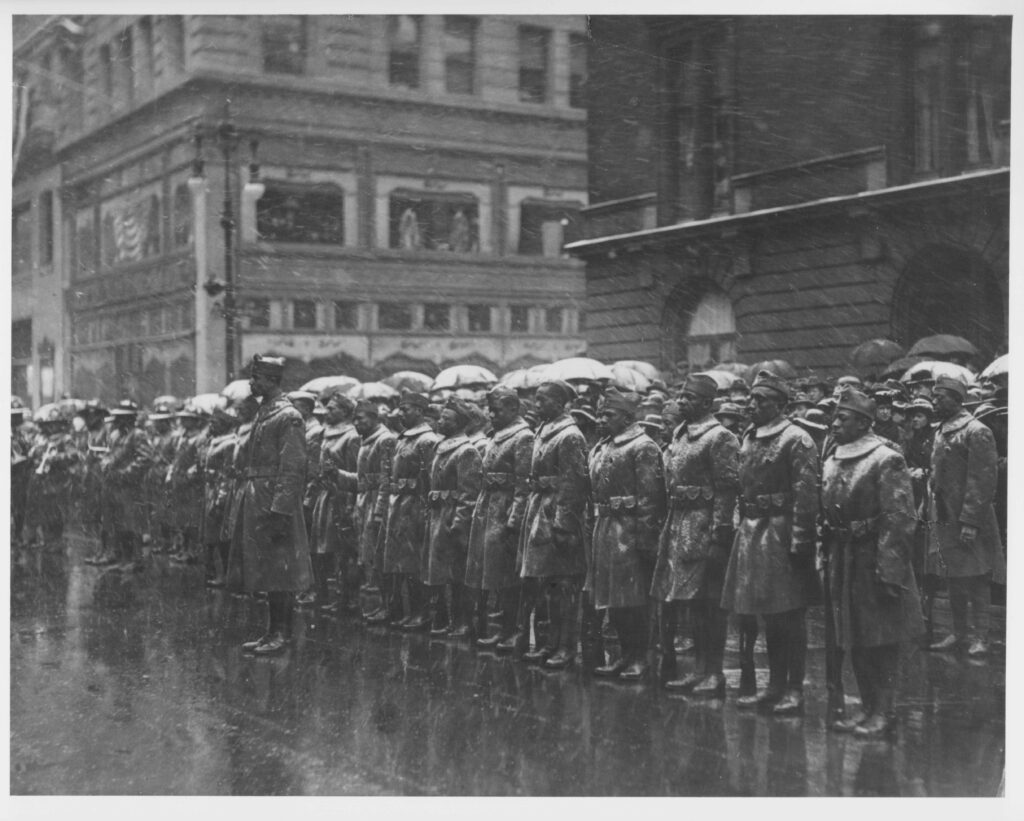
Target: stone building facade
point(417, 178)
point(787, 187)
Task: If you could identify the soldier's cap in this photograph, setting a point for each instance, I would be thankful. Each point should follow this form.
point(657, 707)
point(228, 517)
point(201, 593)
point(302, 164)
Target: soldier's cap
point(948, 383)
point(341, 400)
point(800, 399)
point(502, 393)
point(828, 405)
point(628, 403)
point(126, 407)
point(327, 394)
point(582, 409)
point(817, 382)
point(766, 383)
point(416, 400)
point(701, 385)
point(652, 422)
point(461, 408)
point(921, 405)
point(302, 396)
point(849, 379)
point(732, 409)
point(366, 406)
point(161, 412)
point(739, 385)
point(267, 365)
point(654, 402)
point(815, 419)
point(560, 388)
point(857, 401)
point(671, 408)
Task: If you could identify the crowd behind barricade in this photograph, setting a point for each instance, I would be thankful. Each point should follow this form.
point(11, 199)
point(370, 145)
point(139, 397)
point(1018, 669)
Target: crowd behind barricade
point(545, 519)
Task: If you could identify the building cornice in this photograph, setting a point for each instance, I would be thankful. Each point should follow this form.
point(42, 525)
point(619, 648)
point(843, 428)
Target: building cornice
point(852, 205)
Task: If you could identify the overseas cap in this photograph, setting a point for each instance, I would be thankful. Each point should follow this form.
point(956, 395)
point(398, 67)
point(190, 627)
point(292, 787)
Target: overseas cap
point(766, 383)
point(625, 402)
point(341, 400)
point(462, 409)
point(417, 400)
point(562, 389)
point(854, 400)
point(701, 385)
point(366, 406)
point(302, 396)
point(950, 384)
point(267, 365)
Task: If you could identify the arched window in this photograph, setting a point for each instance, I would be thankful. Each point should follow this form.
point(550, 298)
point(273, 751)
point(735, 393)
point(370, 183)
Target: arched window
point(699, 328)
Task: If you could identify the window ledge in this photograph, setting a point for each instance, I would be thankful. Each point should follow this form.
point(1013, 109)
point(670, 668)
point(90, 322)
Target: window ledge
point(325, 251)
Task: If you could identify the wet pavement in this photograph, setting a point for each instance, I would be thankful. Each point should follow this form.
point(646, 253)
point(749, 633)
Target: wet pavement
point(133, 685)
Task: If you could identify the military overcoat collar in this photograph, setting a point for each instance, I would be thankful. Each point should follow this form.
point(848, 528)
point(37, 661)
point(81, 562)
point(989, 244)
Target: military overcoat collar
point(377, 434)
point(634, 431)
point(334, 431)
point(507, 433)
point(555, 426)
point(767, 431)
point(418, 430)
point(954, 423)
point(859, 448)
point(271, 407)
point(451, 443)
point(699, 428)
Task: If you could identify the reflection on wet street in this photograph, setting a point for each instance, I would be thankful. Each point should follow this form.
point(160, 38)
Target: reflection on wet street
point(137, 685)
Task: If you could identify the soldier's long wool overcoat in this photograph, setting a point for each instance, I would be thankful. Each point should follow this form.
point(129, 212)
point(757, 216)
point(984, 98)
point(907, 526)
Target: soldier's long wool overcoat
point(702, 480)
point(551, 541)
point(370, 482)
point(215, 462)
point(186, 481)
point(778, 512)
point(236, 470)
point(455, 479)
point(499, 510)
point(868, 505)
point(265, 553)
point(123, 472)
point(334, 503)
point(163, 446)
point(408, 483)
point(962, 491)
point(627, 488)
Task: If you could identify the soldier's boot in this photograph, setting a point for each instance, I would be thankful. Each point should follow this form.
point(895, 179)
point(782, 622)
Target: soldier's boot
point(713, 683)
point(419, 615)
point(776, 643)
point(210, 565)
point(747, 630)
point(517, 641)
point(568, 609)
point(882, 720)
point(696, 621)
point(620, 620)
point(440, 615)
point(637, 632)
point(480, 620)
point(667, 621)
point(223, 553)
point(506, 625)
point(958, 609)
point(547, 641)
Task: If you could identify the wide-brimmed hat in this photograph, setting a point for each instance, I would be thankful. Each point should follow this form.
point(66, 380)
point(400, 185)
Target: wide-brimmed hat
point(126, 407)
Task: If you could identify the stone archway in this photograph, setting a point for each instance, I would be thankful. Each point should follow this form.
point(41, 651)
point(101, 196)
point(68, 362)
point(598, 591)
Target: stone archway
point(698, 327)
point(945, 289)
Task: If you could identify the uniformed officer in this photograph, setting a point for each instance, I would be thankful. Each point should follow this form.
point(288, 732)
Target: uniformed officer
point(53, 455)
point(306, 402)
point(215, 464)
point(123, 471)
point(163, 443)
point(185, 482)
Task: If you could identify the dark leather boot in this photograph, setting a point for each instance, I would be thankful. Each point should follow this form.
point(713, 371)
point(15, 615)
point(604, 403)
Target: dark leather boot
point(517, 643)
point(712, 686)
point(791, 703)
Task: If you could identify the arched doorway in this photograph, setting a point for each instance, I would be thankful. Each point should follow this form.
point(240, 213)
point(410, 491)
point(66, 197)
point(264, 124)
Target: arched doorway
point(698, 328)
point(949, 290)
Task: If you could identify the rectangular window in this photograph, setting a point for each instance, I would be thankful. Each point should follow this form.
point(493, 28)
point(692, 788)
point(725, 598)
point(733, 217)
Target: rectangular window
point(394, 316)
point(346, 315)
point(533, 64)
point(174, 39)
point(459, 54)
point(434, 220)
point(301, 213)
point(106, 71)
point(46, 228)
point(21, 339)
point(72, 82)
point(479, 318)
point(148, 64)
point(437, 316)
point(404, 50)
point(284, 44)
point(258, 311)
point(21, 239)
point(577, 70)
point(519, 319)
point(304, 314)
point(553, 320)
point(126, 64)
point(544, 227)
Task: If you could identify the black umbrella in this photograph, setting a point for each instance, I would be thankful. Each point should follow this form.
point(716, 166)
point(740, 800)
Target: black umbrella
point(943, 345)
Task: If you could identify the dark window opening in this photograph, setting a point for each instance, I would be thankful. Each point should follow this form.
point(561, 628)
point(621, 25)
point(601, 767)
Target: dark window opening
point(295, 213)
point(394, 316)
point(479, 318)
point(544, 227)
point(181, 209)
point(258, 311)
point(519, 318)
point(46, 228)
point(346, 315)
point(106, 72)
point(435, 221)
point(436, 316)
point(304, 314)
point(533, 64)
point(21, 339)
point(21, 239)
point(553, 320)
point(404, 50)
point(577, 70)
point(459, 54)
point(284, 44)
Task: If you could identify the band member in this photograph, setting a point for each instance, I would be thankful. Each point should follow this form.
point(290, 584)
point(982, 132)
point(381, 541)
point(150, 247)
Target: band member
point(54, 456)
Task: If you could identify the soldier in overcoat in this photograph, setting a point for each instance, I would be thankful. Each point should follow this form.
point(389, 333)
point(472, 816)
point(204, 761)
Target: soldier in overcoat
point(404, 542)
point(963, 533)
point(333, 537)
point(270, 550)
point(771, 567)
point(163, 443)
point(305, 402)
point(701, 477)
point(54, 457)
point(627, 485)
point(370, 482)
point(456, 475)
point(215, 464)
point(123, 472)
point(92, 444)
point(237, 467)
point(868, 521)
point(186, 484)
point(498, 513)
point(551, 555)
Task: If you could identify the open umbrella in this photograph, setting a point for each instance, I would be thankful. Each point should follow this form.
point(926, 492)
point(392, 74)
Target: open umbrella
point(723, 379)
point(873, 355)
point(1000, 367)
point(628, 379)
point(522, 379)
point(236, 391)
point(942, 345)
point(374, 391)
point(735, 368)
point(937, 368)
point(646, 368)
point(578, 369)
point(780, 367)
point(409, 381)
point(463, 376)
point(896, 369)
point(323, 383)
point(207, 402)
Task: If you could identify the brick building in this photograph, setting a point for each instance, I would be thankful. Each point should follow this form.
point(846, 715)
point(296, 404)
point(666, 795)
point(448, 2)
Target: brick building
point(767, 187)
point(417, 179)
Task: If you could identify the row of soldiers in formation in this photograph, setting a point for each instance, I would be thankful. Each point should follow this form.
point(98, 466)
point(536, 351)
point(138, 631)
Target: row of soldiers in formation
point(642, 509)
